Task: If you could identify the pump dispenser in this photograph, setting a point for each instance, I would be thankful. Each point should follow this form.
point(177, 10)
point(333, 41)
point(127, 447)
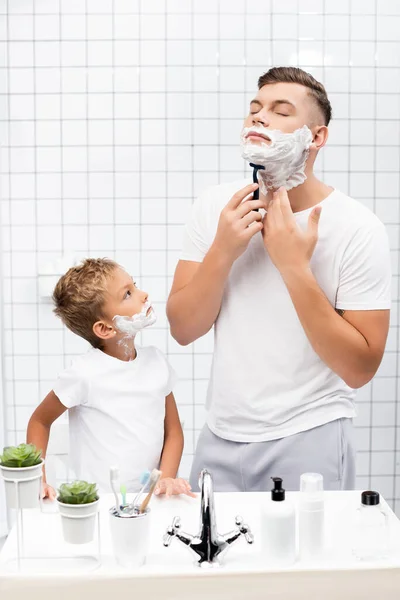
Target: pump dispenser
point(277, 492)
point(311, 516)
point(279, 527)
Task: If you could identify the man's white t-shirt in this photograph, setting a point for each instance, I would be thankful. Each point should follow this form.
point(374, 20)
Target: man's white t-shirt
point(266, 380)
point(116, 416)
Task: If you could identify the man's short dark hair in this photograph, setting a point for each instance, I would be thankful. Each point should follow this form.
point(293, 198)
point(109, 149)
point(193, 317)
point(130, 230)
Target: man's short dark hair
point(296, 75)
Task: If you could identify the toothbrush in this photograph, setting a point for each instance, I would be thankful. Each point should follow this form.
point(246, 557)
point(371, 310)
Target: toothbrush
point(144, 478)
point(122, 489)
point(114, 477)
point(154, 479)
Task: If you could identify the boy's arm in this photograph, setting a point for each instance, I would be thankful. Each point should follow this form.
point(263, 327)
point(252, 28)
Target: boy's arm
point(40, 422)
point(172, 453)
point(173, 439)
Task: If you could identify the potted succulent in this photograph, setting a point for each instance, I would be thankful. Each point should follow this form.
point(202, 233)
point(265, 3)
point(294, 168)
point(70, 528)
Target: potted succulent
point(24, 464)
point(78, 505)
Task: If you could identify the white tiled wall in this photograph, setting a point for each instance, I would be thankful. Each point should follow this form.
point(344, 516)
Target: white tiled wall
point(115, 113)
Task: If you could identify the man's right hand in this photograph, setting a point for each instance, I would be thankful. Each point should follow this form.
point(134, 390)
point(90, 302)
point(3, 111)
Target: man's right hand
point(48, 492)
point(238, 223)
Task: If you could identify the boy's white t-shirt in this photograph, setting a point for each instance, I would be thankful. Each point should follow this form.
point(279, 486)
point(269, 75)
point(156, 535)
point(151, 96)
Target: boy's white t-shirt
point(116, 414)
point(266, 380)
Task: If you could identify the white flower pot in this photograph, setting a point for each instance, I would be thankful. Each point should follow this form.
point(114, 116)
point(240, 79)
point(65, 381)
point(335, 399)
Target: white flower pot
point(78, 521)
point(29, 485)
point(130, 538)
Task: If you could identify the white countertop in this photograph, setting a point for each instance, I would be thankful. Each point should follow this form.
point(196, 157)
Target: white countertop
point(171, 572)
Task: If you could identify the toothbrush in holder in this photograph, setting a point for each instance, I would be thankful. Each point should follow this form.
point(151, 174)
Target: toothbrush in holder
point(134, 505)
point(114, 481)
point(154, 479)
point(122, 489)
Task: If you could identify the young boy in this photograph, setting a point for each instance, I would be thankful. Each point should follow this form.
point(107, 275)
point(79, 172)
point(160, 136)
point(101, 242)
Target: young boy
point(121, 407)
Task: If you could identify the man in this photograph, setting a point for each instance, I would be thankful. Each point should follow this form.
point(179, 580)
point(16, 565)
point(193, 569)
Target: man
point(299, 293)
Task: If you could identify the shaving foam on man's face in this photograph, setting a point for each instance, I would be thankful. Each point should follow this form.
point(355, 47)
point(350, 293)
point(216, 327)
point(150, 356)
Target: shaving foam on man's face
point(130, 326)
point(283, 155)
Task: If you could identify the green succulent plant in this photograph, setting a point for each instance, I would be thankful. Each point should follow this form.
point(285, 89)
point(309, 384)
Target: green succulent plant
point(77, 492)
point(24, 455)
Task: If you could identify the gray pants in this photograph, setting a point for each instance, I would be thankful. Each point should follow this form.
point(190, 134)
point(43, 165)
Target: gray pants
point(248, 467)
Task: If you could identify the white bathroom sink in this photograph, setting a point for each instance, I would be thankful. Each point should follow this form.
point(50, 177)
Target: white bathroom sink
point(51, 566)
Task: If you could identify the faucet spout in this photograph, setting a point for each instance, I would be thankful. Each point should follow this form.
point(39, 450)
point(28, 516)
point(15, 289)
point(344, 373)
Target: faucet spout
point(208, 526)
point(208, 545)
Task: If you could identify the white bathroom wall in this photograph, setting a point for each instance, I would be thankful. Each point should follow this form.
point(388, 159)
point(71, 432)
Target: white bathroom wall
point(116, 113)
point(3, 510)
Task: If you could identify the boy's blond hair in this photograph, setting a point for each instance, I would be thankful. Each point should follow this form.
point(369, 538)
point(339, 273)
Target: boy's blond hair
point(79, 296)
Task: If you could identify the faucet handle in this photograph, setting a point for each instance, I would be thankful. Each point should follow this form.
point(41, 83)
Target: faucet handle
point(244, 529)
point(172, 531)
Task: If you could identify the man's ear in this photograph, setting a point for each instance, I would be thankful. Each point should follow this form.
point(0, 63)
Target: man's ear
point(320, 136)
point(103, 330)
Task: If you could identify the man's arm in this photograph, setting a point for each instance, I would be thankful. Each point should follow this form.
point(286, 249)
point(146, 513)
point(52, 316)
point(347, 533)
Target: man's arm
point(197, 290)
point(351, 344)
point(196, 296)
point(39, 428)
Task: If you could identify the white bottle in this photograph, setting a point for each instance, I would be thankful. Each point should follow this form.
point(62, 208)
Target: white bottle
point(311, 516)
point(370, 536)
point(279, 528)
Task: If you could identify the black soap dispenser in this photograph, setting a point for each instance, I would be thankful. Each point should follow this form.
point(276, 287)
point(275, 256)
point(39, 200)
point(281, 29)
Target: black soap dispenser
point(278, 526)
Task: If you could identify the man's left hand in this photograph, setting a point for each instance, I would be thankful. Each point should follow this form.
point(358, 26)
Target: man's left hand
point(288, 246)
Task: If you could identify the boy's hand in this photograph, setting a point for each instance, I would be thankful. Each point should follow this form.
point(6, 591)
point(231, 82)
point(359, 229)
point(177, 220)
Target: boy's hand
point(171, 487)
point(48, 492)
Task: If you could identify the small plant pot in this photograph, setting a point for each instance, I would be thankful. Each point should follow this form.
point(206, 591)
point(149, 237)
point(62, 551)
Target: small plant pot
point(78, 521)
point(130, 538)
point(29, 485)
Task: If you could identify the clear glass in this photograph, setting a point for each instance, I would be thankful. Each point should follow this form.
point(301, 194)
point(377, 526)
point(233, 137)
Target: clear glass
point(370, 538)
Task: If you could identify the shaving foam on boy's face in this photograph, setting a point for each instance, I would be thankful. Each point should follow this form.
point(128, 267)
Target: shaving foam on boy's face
point(130, 326)
point(283, 155)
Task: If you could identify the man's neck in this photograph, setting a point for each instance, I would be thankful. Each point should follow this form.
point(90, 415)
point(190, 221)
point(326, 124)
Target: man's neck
point(308, 194)
point(123, 349)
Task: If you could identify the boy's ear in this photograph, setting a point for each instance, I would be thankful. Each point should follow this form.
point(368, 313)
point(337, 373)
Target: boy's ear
point(103, 330)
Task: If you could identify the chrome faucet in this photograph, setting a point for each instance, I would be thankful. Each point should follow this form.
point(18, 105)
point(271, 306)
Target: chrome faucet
point(208, 545)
